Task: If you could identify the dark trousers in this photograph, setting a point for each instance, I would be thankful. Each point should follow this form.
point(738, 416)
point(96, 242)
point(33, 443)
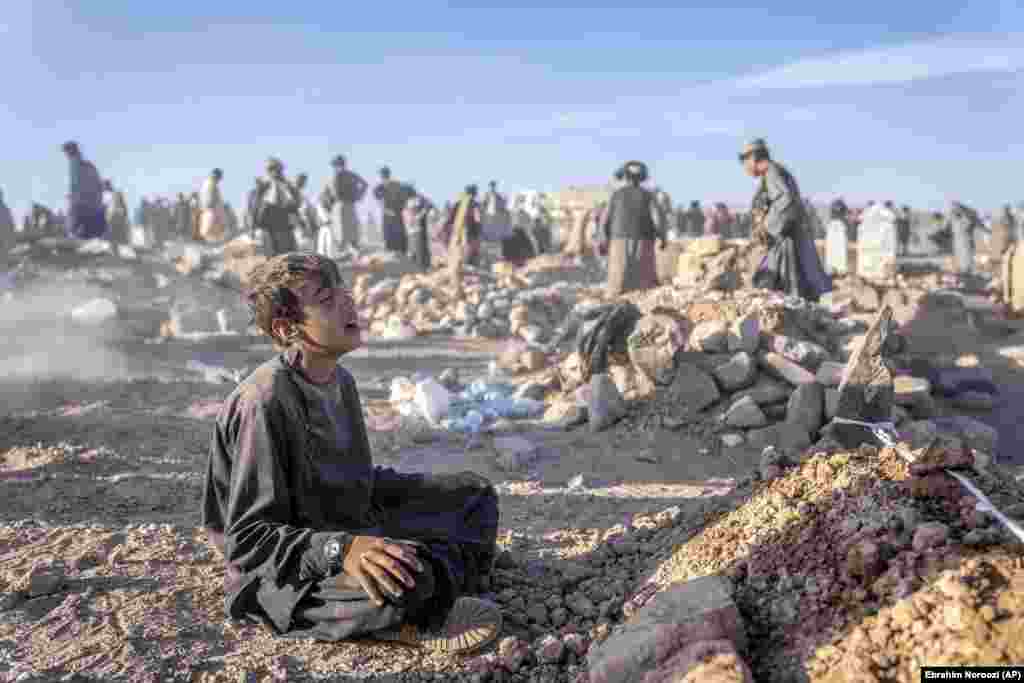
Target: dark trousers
point(277, 226)
point(395, 238)
point(454, 520)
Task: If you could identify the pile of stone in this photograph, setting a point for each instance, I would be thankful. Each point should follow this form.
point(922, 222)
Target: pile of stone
point(499, 304)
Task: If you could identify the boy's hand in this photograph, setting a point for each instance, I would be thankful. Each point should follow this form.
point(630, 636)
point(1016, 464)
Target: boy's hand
point(382, 565)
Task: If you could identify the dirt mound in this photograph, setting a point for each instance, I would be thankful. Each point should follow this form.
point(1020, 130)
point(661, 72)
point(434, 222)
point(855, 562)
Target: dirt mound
point(847, 569)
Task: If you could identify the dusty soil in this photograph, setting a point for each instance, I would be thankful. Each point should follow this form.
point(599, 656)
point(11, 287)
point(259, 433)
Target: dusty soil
point(101, 481)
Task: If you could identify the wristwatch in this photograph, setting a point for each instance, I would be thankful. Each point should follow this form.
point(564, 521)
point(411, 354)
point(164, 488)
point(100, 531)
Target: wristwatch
point(332, 553)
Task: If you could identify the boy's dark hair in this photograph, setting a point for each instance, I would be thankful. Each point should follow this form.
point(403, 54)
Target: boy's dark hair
point(270, 284)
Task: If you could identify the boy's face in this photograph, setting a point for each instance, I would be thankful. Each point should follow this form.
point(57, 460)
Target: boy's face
point(331, 321)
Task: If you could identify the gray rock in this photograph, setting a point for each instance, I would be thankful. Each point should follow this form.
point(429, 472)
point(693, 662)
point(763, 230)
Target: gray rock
point(449, 379)
point(692, 390)
point(605, 406)
point(792, 438)
point(699, 609)
point(831, 403)
point(738, 373)
point(784, 368)
point(732, 440)
point(763, 438)
point(801, 352)
point(711, 336)
point(745, 413)
point(534, 391)
point(830, 373)
point(766, 391)
point(806, 407)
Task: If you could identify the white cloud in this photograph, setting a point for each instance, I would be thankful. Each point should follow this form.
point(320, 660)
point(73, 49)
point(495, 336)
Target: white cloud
point(894, 64)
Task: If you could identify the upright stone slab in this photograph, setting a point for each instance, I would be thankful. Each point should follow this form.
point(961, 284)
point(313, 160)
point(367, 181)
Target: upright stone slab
point(836, 255)
point(867, 393)
point(876, 242)
point(1013, 278)
point(698, 610)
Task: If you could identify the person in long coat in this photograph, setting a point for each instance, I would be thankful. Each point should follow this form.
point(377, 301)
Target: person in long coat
point(392, 196)
point(117, 217)
point(346, 188)
point(1003, 234)
point(212, 222)
point(7, 236)
point(963, 222)
point(464, 232)
point(86, 217)
point(791, 264)
point(631, 227)
point(277, 204)
point(518, 247)
point(415, 216)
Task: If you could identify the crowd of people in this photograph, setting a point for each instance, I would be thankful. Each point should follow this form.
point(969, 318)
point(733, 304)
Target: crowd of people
point(620, 231)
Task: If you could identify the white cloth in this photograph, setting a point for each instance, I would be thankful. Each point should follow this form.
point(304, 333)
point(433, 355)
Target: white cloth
point(210, 197)
point(836, 254)
point(325, 243)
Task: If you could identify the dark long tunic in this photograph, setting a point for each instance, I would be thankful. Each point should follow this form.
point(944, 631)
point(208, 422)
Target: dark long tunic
point(792, 264)
point(630, 227)
point(289, 470)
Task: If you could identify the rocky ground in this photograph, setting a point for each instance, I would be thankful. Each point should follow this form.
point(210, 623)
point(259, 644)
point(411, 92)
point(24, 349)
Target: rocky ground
point(843, 564)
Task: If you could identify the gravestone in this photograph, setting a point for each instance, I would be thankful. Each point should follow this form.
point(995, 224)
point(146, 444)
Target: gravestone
point(876, 241)
point(1013, 278)
point(836, 255)
point(867, 392)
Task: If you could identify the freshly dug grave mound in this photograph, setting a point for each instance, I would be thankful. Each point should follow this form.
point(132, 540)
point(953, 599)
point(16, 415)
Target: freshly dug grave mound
point(848, 567)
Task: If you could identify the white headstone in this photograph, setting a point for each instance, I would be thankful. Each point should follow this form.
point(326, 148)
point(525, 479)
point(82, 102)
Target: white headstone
point(876, 242)
point(836, 247)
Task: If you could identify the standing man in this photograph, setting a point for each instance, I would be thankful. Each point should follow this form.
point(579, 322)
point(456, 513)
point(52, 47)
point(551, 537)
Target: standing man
point(212, 223)
point(252, 205)
point(278, 204)
point(230, 220)
point(630, 226)
point(791, 264)
point(307, 220)
point(695, 219)
point(497, 220)
point(346, 189)
point(963, 222)
point(392, 195)
point(117, 216)
point(464, 236)
point(182, 216)
point(86, 217)
point(905, 227)
point(6, 227)
point(415, 216)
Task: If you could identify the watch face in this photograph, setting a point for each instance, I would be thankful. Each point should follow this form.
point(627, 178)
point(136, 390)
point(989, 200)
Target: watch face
point(332, 549)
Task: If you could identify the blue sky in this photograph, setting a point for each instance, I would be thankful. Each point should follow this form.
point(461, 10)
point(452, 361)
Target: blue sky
point(916, 102)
